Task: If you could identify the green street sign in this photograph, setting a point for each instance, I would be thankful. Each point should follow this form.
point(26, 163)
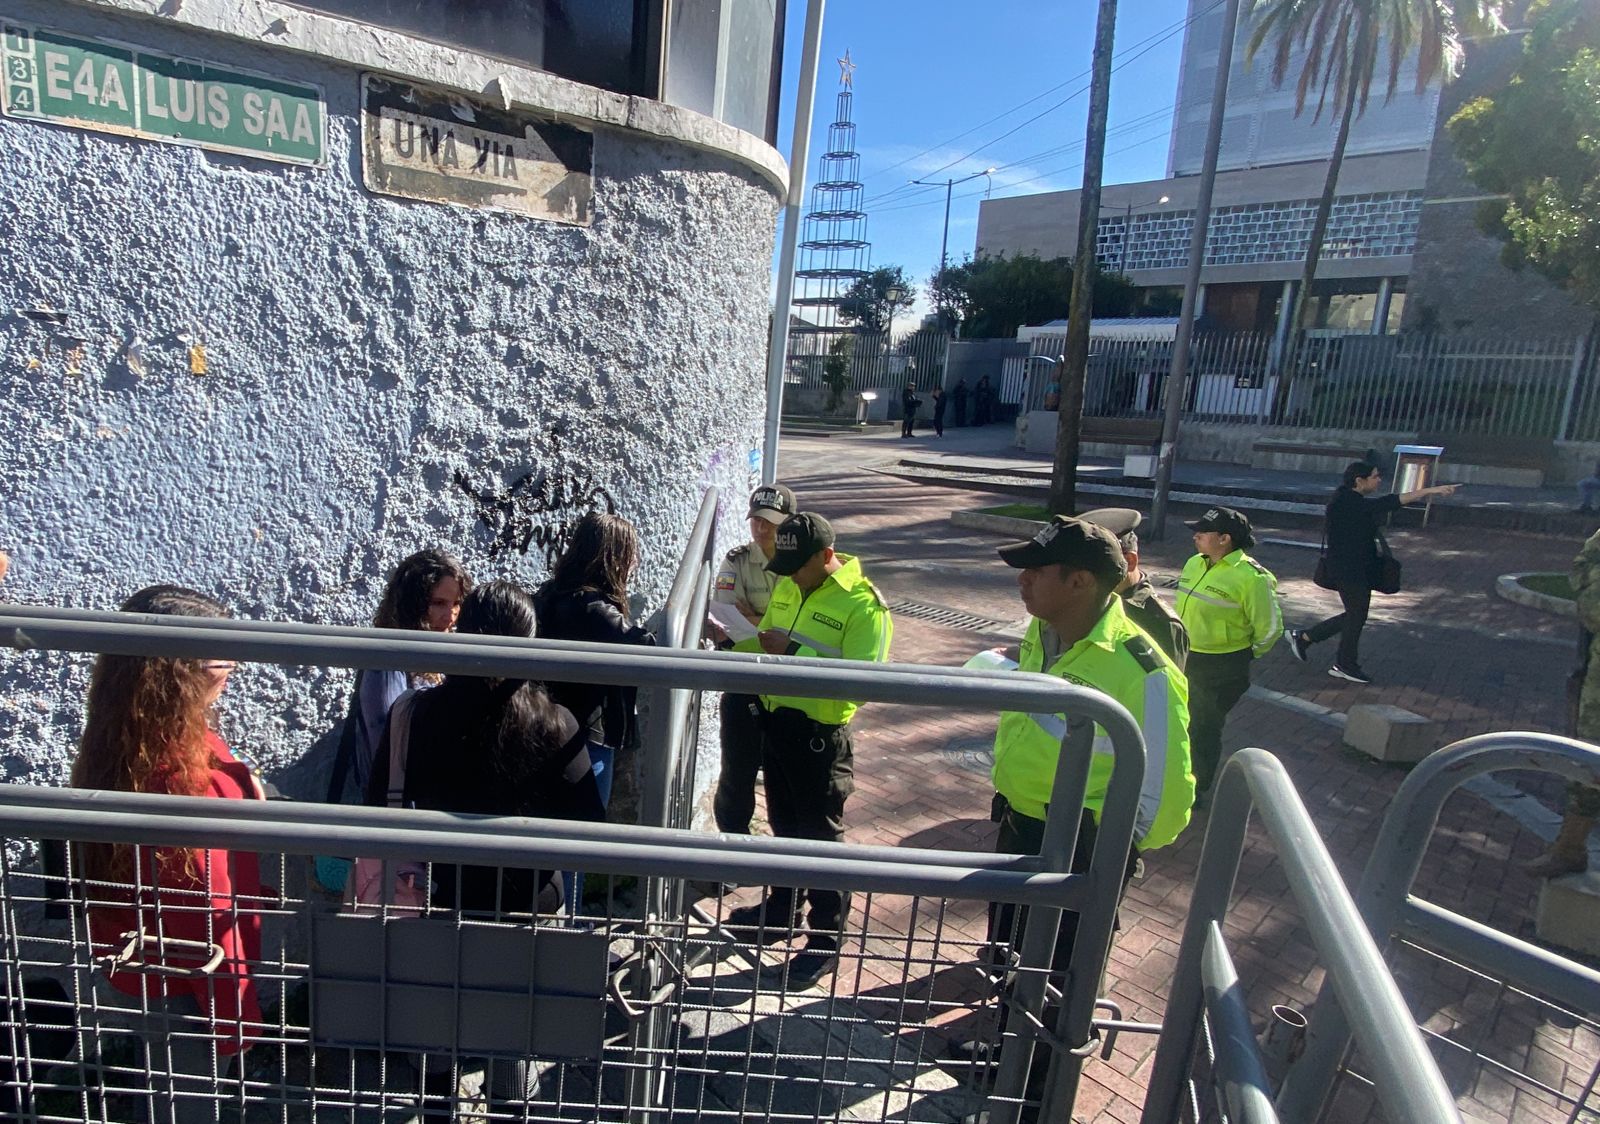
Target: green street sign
point(114, 88)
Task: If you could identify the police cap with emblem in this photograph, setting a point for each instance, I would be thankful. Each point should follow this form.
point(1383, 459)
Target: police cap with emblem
point(772, 502)
point(1226, 521)
point(798, 538)
point(1072, 542)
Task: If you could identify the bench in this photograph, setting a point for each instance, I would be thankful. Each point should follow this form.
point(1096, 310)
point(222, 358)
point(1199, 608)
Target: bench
point(1500, 452)
point(1120, 431)
point(1303, 456)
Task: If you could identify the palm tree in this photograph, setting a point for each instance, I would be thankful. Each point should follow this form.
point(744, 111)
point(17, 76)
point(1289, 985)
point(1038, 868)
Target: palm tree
point(1344, 43)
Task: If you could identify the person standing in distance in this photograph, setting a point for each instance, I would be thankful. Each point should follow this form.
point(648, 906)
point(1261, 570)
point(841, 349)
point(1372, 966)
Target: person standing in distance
point(1351, 533)
point(909, 403)
point(825, 607)
point(1139, 598)
point(1229, 603)
point(745, 583)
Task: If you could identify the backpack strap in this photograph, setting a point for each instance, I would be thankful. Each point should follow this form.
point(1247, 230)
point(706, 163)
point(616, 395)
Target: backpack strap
point(345, 757)
point(399, 746)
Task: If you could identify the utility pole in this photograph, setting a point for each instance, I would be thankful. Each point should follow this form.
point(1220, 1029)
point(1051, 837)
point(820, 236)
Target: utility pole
point(949, 186)
point(1064, 475)
point(1178, 377)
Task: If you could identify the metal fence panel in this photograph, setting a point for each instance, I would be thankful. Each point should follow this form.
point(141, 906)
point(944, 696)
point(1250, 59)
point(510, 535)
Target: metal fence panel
point(1407, 925)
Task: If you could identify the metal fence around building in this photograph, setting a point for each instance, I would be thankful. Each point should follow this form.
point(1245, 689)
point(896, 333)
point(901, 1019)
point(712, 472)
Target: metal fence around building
point(865, 360)
point(1545, 389)
point(625, 1009)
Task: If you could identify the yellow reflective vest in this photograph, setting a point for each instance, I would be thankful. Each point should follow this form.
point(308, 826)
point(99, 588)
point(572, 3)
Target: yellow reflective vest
point(1119, 660)
point(1229, 605)
point(843, 618)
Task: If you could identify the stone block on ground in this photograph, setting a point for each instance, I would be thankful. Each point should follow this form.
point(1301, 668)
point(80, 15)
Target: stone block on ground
point(1569, 912)
point(1390, 733)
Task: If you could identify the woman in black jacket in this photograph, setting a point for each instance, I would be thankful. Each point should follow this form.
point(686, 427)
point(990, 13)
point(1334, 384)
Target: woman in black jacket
point(496, 747)
point(587, 599)
point(1351, 534)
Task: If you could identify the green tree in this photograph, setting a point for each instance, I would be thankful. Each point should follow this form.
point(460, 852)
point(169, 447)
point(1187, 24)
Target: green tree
point(994, 296)
point(1343, 44)
point(1536, 144)
point(836, 371)
point(868, 303)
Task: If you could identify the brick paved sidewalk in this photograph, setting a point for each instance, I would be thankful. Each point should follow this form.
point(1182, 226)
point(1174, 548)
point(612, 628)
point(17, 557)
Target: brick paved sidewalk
point(1446, 649)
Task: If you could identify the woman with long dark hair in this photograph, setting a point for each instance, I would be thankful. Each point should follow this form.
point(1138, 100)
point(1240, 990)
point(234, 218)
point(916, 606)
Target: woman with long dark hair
point(586, 599)
point(1351, 535)
point(495, 747)
point(424, 593)
point(149, 727)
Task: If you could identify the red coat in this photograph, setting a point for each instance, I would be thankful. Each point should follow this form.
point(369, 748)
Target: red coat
point(212, 907)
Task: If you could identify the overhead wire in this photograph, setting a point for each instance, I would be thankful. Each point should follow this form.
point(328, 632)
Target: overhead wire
point(1130, 54)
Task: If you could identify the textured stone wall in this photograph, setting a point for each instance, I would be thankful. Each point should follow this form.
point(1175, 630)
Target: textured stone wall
point(368, 360)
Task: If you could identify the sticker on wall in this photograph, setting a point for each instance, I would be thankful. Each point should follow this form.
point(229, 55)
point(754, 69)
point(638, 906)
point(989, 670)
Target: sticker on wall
point(437, 146)
point(112, 87)
point(197, 359)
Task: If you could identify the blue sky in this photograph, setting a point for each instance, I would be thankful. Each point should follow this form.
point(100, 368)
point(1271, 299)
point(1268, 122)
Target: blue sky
point(932, 81)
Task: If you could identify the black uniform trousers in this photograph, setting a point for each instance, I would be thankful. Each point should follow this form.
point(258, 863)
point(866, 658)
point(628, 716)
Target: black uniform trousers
point(1024, 835)
point(735, 799)
point(1216, 684)
point(810, 770)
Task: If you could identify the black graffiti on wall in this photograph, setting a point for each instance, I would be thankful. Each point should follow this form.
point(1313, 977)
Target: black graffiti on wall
point(538, 509)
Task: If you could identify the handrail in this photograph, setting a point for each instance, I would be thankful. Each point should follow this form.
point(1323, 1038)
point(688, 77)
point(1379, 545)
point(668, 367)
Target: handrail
point(1385, 897)
point(507, 657)
point(1408, 1082)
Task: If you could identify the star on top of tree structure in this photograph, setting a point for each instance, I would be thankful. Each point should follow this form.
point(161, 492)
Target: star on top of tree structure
point(847, 71)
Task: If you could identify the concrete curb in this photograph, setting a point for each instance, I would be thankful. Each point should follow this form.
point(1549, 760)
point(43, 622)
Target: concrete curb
point(999, 524)
point(1510, 587)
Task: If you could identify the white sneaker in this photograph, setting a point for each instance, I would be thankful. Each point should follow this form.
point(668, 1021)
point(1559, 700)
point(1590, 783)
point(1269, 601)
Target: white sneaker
point(1298, 643)
point(1356, 676)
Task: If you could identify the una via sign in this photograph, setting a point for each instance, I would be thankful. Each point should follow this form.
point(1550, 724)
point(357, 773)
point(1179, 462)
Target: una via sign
point(113, 88)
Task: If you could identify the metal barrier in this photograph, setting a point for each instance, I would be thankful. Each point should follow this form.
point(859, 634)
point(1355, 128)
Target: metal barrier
point(1398, 919)
point(380, 1016)
point(672, 855)
point(1409, 1084)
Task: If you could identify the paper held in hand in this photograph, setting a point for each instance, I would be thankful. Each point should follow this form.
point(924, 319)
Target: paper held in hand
point(733, 622)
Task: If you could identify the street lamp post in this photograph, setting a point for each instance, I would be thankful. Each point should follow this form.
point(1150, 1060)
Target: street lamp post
point(1127, 228)
point(894, 294)
point(949, 186)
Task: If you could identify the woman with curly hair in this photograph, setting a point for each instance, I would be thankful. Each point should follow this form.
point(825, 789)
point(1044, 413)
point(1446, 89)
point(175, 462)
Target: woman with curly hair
point(149, 728)
point(424, 593)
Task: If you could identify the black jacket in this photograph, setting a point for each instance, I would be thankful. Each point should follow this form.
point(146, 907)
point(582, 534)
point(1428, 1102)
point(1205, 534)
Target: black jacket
point(606, 711)
point(1161, 624)
point(1351, 528)
point(464, 756)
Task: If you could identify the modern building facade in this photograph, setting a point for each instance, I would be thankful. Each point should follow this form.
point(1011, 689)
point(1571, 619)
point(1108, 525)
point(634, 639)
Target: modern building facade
point(297, 289)
point(1271, 170)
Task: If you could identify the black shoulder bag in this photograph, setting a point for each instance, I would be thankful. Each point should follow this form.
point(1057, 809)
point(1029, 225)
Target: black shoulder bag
point(1385, 569)
point(1320, 575)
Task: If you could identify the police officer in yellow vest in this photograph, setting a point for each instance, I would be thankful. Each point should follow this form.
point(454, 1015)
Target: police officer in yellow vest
point(745, 583)
point(1229, 603)
point(1080, 632)
point(824, 607)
